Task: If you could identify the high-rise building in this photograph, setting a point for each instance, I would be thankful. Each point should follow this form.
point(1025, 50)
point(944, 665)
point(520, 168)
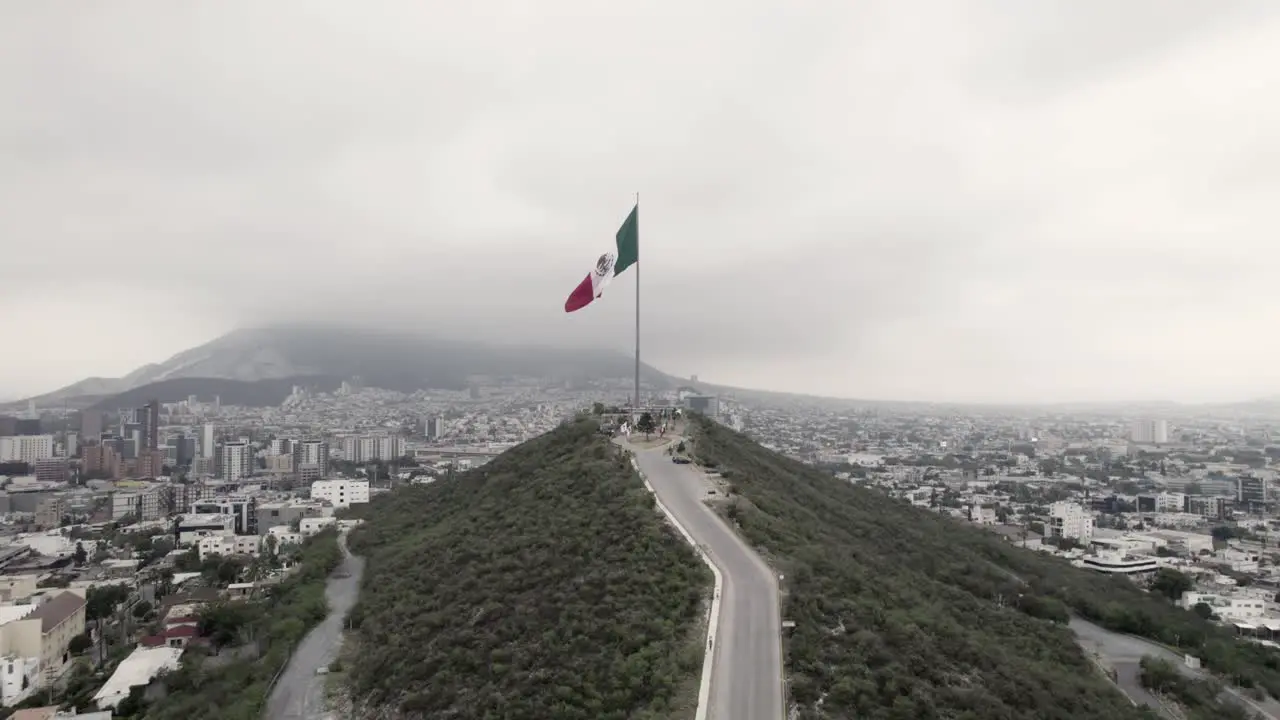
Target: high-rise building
point(148, 417)
point(51, 470)
point(433, 428)
point(180, 450)
point(92, 423)
point(26, 448)
point(151, 463)
point(1149, 432)
point(367, 448)
point(1252, 491)
point(208, 441)
point(312, 455)
point(102, 459)
point(233, 460)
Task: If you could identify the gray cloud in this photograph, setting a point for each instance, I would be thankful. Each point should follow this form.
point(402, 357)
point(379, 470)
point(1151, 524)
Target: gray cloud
point(970, 201)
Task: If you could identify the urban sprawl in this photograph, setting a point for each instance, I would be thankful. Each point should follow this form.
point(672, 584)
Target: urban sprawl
point(121, 525)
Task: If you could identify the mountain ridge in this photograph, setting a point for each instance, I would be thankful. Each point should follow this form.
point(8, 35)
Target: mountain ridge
point(381, 358)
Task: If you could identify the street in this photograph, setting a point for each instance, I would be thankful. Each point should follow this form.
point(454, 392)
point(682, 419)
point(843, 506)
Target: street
point(747, 662)
point(300, 692)
point(1125, 652)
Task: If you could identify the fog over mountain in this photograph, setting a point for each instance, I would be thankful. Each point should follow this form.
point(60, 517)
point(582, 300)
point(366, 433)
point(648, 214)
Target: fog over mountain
point(960, 201)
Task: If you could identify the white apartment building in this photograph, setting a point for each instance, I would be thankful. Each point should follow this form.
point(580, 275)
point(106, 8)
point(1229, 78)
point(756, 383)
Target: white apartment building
point(227, 545)
point(26, 448)
point(1069, 520)
point(145, 504)
point(341, 493)
point(1168, 502)
point(1149, 432)
point(366, 448)
point(234, 460)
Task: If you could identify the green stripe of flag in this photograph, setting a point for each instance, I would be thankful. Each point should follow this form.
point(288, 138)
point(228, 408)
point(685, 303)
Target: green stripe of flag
point(628, 242)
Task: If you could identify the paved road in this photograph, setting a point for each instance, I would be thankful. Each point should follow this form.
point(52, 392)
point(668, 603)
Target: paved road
point(1125, 652)
point(747, 671)
point(299, 694)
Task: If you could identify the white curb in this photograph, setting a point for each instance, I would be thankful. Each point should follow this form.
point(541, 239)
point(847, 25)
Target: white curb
point(713, 621)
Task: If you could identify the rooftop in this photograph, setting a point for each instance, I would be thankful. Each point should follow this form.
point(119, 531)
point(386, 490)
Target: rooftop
point(56, 610)
point(138, 669)
point(9, 613)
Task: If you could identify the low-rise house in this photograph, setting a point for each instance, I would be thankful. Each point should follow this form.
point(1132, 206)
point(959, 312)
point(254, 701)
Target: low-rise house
point(237, 591)
point(139, 669)
point(177, 636)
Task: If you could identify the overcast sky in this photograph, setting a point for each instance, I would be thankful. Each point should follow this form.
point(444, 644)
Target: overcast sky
point(1050, 200)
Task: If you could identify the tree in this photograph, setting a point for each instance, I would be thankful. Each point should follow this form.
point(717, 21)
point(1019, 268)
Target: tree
point(101, 601)
point(1203, 610)
point(79, 644)
point(646, 425)
point(81, 555)
point(222, 622)
point(1171, 583)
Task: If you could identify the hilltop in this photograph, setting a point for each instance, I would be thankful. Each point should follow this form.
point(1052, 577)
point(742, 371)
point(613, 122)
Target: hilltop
point(902, 613)
point(544, 584)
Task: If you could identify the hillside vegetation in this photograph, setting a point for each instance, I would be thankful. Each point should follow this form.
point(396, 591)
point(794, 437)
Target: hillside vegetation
point(904, 614)
point(543, 585)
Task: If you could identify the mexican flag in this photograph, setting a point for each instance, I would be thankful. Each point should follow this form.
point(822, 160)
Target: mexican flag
point(609, 265)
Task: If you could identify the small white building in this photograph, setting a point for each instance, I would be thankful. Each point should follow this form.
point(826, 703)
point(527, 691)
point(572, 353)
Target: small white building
point(227, 545)
point(284, 535)
point(310, 526)
point(1069, 520)
point(341, 493)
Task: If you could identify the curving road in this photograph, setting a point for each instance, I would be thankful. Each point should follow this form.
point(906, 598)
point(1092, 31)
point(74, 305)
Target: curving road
point(299, 692)
point(746, 681)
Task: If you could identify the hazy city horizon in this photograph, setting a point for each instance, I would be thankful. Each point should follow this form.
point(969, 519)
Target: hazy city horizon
point(787, 385)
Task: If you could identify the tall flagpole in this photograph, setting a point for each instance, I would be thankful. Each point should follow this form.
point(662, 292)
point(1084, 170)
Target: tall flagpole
point(637, 401)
